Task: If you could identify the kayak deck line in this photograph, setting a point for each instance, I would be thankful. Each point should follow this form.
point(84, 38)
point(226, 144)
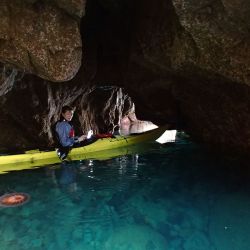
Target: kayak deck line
point(97, 149)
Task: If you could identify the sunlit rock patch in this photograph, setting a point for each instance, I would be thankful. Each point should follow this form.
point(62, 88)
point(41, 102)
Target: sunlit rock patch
point(39, 38)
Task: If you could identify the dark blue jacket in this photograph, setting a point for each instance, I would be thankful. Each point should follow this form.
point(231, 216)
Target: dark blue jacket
point(66, 134)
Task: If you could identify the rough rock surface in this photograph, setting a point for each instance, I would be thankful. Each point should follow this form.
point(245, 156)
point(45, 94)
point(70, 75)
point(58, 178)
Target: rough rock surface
point(220, 36)
point(40, 38)
point(191, 60)
point(73, 7)
point(182, 62)
point(29, 111)
point(216, 111)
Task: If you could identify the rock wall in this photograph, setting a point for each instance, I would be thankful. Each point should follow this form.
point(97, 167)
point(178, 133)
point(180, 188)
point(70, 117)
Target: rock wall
point(191, 60)
point(32, 107)
point(40, 37)
point(181, 62)
point(220, 36)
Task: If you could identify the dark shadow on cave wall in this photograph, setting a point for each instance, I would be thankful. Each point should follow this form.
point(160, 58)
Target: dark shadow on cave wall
point(106, 39)
point(109, 33)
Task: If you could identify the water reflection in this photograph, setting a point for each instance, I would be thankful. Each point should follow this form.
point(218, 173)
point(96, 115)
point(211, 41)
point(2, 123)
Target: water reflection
point(67, 177)
point(177, 197)
point(63, 176)
point(93, 175)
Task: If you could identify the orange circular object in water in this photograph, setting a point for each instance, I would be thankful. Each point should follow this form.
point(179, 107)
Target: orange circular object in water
point(13, 199)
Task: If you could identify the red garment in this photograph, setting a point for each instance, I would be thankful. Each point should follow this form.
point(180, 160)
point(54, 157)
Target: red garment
point(72, 133)
point(108, 135)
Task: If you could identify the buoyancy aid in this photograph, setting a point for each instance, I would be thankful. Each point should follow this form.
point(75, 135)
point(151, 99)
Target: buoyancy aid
point(72, 133)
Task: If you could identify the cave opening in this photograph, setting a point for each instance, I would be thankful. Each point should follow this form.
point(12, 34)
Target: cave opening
point(106, 31)
point(111, 48)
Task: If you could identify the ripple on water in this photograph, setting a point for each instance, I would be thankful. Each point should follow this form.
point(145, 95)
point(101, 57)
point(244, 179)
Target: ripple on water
point(174, 197)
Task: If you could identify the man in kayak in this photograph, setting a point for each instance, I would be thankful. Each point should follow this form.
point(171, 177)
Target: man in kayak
point(65, 133)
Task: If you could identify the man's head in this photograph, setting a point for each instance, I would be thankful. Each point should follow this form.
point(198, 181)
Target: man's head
point(67, 113)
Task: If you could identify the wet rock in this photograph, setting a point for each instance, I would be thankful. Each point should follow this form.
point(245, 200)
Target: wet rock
point(33, 106)
point(37, 37)
point(179, 62)
point(73, 7)
point(225, 127)
point(221, 43)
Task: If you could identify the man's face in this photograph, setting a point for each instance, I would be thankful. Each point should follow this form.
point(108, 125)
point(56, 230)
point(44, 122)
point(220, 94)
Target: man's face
point(68, 115)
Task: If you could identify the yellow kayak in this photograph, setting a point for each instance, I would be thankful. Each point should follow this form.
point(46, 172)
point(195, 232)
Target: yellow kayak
point(101, 149)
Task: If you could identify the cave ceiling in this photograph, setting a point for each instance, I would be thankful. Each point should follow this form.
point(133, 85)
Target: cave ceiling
point(186, 63)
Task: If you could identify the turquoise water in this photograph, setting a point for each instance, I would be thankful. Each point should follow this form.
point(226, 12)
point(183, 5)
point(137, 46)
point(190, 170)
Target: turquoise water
point(172, 197)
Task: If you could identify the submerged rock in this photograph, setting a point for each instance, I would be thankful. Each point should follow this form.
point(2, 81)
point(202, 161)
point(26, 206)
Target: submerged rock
point(136, 237)
point(229, 222)
point(197, 241)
